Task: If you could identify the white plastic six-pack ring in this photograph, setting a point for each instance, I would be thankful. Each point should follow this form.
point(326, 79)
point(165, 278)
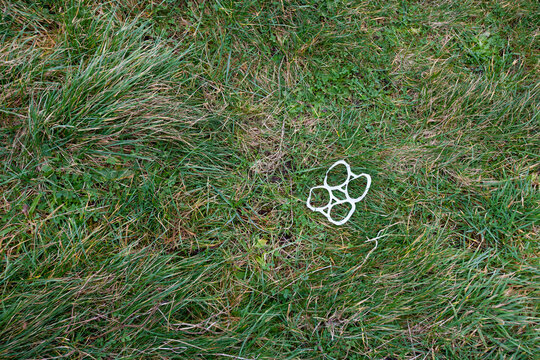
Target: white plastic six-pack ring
point(334, 200)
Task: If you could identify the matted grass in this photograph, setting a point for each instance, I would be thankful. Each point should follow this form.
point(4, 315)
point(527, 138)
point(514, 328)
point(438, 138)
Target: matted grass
point(156, 157)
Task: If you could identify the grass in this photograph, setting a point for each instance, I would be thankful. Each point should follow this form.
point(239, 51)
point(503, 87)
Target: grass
point(156, 157)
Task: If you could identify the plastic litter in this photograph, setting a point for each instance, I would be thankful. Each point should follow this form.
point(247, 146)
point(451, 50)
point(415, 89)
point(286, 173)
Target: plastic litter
point(326, 209)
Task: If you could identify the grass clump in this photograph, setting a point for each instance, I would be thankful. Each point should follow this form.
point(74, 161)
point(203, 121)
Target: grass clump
point(156, 158)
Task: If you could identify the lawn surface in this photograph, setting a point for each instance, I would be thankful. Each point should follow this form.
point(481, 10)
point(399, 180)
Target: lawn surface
point(156, 156)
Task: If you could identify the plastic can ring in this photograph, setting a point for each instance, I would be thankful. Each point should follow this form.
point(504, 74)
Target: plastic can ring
point(343, 188)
